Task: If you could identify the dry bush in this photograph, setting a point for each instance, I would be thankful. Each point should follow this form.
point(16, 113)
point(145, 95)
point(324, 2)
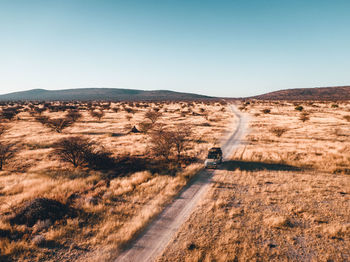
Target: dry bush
point(59, 124)
point(80, 151)
point(39, 110)
point(299, 108)
point(278, 131)
point(97, 114)
point(39, 209)
point(9, 113)
point(266, 111)
point(74, 115)
point(73, 150)
point(7, 152)
point(42, 119)
point(106, 106)
point(266, 216)
point(166, 143)
point(161, 143)
point(153, 116)
point(3, 129)
point(145, 126)
point(129, 110)
point(179, 137)
point(128, 117)
point(304, 117)
point(124, 207)
point(347, 118)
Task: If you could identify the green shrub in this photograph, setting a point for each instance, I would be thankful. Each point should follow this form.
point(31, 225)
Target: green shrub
point(299, 108)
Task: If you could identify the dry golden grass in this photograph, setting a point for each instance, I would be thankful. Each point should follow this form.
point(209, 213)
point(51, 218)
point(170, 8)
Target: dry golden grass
point(320, 143)
point(280, 198)
point(123, 207)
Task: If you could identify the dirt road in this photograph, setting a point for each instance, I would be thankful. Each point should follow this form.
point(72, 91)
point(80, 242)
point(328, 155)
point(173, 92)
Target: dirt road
point(152, 241)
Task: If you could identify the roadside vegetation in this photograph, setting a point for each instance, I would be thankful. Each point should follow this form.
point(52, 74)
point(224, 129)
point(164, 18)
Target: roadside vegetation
point(284, 195)
point(109, 167)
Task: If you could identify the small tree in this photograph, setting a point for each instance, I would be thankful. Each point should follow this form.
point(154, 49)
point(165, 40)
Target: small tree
point(39, 110)
point(97, 114)
point(179, 138)
point(153, 116)
point(59, 124)
point(9, 114)
point(7, 152)
point(74, 115)
point(73, 150)
point(56, 125)
point(80, 151)
point(278, 131)
point(129, 110)
point(42, 119)
point(162, 144)
point(266, 111)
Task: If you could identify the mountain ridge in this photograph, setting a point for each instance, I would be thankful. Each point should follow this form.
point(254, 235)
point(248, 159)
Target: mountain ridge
point(121, 94)
point(114, 94)
point(314, 93)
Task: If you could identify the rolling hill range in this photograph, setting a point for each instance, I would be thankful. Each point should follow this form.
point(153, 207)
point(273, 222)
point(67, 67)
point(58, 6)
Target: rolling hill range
point(113, 94)
point(317, 93)
point(119, 94)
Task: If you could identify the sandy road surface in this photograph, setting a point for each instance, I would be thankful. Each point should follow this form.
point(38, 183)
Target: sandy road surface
point(153, 240)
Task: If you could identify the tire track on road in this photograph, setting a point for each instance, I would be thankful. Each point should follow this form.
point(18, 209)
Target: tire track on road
point(156, 236)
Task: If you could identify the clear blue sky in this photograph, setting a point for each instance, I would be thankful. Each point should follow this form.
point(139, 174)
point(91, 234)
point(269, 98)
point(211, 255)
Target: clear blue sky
point(224, 48)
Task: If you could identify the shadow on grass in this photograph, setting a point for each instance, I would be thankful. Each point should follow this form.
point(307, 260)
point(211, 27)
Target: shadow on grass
point(256, 166)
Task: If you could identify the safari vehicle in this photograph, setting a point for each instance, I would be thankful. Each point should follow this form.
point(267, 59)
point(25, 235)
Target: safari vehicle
point(214, 157)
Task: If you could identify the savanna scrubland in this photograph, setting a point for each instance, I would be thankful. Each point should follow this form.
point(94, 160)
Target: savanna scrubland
point(283, 196)
point(80, 180)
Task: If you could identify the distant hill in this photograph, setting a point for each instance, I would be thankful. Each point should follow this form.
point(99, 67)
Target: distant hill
point(112, 94)
point(317, 93)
